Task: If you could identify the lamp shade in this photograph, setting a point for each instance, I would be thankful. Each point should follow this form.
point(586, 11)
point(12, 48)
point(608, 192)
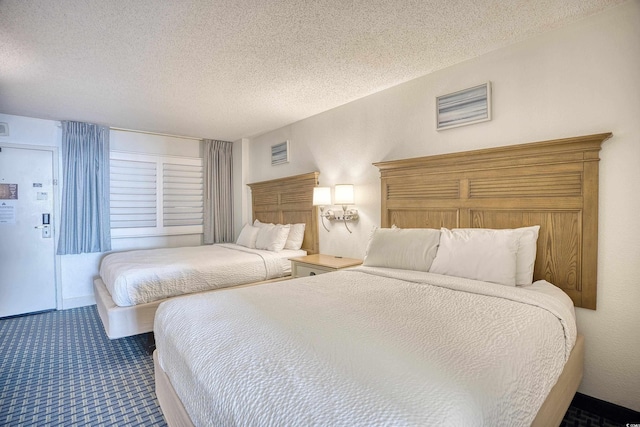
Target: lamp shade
point(344, 194)
point(321, 196)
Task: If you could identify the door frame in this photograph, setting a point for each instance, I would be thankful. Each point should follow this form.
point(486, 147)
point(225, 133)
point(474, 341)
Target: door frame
point(57, 195)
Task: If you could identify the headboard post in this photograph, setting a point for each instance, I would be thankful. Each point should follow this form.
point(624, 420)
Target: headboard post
point(288, 201)
point(553, 184)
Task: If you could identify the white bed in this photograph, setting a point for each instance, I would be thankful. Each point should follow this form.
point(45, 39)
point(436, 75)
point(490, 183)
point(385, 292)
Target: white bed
point(132, 284)
point(139, 277)
point(368, 346)
point(379, 345)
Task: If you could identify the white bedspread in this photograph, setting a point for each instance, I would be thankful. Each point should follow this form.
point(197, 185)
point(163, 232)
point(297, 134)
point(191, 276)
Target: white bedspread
point(142, 276)
point(367, 347)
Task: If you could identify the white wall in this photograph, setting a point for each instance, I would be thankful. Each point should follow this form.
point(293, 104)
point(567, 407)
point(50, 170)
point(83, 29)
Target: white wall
point(241, 194)
point(577, 80)
point(76, 272)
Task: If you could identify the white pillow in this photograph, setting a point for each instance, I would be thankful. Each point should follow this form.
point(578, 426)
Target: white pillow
point(371, 233)
point(296, 236)
point(479, 254)
point(248, 236)
point(257, 223)
point(526, 254)
point(407, 249)
point(272, 237)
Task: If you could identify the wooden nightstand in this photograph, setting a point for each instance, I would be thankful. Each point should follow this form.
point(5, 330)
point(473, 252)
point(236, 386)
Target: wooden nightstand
point(311, 265)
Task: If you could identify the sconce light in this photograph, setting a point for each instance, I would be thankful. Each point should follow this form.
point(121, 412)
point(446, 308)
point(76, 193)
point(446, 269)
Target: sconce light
point(344, 197)
point(322, 198)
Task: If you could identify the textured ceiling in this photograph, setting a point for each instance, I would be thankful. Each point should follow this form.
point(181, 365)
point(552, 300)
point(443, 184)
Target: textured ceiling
point(228, 69)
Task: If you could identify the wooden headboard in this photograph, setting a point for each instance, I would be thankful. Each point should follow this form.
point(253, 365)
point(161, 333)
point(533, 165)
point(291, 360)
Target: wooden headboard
point(288, 201)
point(553, 184)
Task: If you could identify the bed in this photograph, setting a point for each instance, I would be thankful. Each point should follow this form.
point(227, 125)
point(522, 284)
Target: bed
point(133, 284)
point(357, 347)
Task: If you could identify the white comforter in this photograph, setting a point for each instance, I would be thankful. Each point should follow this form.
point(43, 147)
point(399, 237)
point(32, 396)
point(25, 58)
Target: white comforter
point(367, 347)
point(142, 276)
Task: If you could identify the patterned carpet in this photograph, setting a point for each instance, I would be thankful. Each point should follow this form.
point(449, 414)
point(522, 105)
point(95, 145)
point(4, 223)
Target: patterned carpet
point(59, 369)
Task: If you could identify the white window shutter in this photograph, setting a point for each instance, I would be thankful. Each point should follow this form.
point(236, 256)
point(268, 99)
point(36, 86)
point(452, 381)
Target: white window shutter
point(154, 195)
point(182, 188)
point(133, 194)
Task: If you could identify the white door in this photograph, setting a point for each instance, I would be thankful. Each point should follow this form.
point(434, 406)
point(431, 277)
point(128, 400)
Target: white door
point(27, 246)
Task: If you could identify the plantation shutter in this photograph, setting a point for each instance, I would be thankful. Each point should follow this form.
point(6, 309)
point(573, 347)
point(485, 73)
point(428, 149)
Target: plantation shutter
point(182, 195)
point(133, 194)
point(154, 195)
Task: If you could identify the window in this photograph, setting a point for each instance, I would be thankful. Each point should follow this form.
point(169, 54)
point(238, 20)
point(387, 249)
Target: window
point(155, 195)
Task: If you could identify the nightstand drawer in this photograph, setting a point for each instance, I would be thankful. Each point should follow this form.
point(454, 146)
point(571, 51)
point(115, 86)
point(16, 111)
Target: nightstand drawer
point(301, 270)
point(310, 265)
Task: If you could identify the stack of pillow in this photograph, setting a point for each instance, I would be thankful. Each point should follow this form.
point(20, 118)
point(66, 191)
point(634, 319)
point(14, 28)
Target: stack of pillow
point(506, 257)
point(271, 237)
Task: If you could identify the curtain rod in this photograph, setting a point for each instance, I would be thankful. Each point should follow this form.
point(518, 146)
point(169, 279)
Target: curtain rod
point(155, 133)
point(147, 132)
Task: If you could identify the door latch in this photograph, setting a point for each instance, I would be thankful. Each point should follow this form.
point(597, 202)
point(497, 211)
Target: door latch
point(46, 230)
point(46, 226)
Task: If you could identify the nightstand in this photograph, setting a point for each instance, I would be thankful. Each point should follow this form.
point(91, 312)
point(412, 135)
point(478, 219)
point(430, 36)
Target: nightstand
point(311, 265)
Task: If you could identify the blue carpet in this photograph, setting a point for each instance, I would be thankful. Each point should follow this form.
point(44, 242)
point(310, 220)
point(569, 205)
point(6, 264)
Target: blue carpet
point(59, 369)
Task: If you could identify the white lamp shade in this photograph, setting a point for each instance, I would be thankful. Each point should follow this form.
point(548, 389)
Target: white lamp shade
point(344, 194)
point(321, 196)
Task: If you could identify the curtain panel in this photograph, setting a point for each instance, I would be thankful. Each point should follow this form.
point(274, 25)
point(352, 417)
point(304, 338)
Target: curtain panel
point(84, 224)
point(218, 192)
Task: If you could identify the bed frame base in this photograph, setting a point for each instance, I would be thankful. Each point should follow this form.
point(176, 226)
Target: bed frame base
point(557, 402)
point(170, 404)
point(120, 322)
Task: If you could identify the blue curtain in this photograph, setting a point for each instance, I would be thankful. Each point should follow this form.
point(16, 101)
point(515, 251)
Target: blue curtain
point(84, 225)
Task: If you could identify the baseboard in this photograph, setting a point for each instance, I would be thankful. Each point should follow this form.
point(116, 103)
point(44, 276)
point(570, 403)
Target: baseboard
point(26, 314)
point(68, 303)
point(605, 409)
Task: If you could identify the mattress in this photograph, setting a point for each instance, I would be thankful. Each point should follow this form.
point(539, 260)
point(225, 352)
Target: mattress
point(143, 276)
point(367, 346)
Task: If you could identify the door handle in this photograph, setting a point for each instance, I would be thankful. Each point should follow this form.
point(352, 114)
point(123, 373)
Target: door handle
point(40, 226)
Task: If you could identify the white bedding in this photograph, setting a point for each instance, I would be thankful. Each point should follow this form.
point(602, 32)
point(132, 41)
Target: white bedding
point(142, 276)
point(367, 346)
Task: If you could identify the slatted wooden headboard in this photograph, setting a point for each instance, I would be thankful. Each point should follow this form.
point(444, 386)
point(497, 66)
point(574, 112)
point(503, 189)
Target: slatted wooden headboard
point(550, 183)
point(288, 201)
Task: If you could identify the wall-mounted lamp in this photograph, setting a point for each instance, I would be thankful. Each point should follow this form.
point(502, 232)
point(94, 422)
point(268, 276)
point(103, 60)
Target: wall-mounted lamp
point(343, 196)
point(322, 198)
